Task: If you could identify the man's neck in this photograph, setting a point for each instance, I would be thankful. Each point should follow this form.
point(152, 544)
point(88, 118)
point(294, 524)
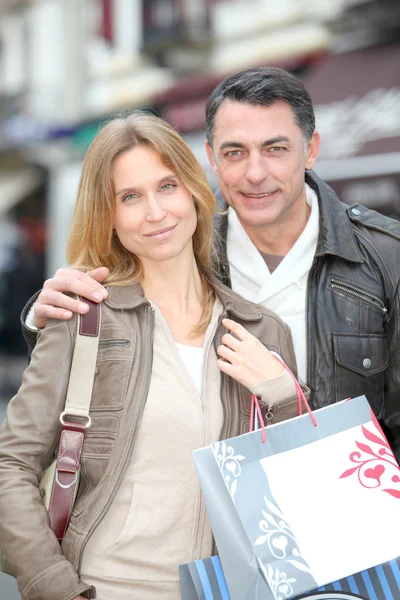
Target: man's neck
point(279, 238)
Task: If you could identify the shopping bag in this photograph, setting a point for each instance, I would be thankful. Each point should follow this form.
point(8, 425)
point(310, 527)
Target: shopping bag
point(204, 579)
point(311, 505)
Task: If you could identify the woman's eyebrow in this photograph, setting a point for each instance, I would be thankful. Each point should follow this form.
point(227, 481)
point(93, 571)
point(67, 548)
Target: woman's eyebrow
point(132, 188)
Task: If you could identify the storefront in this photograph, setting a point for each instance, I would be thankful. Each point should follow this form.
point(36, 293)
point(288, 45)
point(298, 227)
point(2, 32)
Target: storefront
point(357, 101)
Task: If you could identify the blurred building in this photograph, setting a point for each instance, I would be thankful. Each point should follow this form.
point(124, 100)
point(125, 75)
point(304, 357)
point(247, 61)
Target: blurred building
point(65, 65)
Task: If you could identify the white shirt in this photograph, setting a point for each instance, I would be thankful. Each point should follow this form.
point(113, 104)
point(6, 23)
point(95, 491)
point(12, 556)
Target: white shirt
point(192, 358)
point(283, 291)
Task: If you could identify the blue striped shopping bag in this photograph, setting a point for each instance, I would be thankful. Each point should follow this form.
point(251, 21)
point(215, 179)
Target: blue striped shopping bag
point(204, 580)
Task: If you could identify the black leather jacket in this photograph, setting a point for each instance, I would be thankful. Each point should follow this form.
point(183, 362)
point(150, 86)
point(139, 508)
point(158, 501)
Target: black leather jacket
point(353, 326)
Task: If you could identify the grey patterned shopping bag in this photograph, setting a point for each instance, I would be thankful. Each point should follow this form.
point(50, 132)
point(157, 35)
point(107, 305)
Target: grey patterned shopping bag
point(311, 505)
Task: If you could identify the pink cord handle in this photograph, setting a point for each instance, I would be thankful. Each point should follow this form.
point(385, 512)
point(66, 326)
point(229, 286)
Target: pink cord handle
point(301, 398)
point(256, 404)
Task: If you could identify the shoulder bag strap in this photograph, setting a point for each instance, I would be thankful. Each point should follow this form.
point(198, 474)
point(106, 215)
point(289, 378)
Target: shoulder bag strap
point(77, 407)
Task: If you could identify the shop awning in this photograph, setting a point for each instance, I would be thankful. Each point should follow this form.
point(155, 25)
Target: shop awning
point(357, 101)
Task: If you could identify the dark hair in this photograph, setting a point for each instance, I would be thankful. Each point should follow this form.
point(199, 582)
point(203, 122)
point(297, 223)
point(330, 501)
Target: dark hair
point(263, 86)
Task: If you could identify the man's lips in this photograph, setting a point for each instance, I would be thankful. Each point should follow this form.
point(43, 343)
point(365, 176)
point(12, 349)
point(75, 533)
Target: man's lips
point(258, 195)
point(160, 232)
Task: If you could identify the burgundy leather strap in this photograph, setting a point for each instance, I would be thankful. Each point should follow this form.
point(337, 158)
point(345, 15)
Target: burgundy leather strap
point(73, 433)
point(65, 479)
point(90, 322)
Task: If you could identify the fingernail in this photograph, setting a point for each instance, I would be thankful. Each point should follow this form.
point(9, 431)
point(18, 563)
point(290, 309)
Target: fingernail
point(83, 308)
point(98, 296)
point(105, 294)
point(67, 314)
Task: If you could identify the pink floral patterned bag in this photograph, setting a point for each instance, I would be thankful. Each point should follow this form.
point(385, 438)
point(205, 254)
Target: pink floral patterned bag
point(315, 500)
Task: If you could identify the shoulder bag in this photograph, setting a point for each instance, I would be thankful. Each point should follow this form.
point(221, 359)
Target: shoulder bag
point(60, 481)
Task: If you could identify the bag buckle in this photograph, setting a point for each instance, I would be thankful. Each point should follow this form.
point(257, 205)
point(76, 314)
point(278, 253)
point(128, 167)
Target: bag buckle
point(69, 485)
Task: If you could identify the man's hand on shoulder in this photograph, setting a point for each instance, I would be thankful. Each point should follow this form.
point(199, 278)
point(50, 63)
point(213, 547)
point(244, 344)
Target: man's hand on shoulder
point(53, 303)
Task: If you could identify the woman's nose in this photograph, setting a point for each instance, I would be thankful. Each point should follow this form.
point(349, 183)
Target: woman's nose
point(155, 210)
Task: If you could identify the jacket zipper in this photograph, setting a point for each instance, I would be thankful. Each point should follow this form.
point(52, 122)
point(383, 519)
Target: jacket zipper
point(113, 342)
point(132, 442)
point(203, 388)
point(269, 414)
point(225, 408)
point(356, 292)
point(309, 347)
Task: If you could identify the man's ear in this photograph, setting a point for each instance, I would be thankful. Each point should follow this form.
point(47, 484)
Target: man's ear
point(211, 158)
point(313, 150)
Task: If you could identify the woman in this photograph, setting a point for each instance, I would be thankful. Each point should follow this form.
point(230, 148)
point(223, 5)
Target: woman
point(179, 357)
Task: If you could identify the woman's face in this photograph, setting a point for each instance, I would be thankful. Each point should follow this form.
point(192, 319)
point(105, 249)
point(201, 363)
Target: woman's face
point(155, 217)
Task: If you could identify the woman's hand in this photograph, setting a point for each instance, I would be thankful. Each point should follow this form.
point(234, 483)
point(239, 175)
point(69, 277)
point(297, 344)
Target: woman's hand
point(52, 303)
point(245, 358)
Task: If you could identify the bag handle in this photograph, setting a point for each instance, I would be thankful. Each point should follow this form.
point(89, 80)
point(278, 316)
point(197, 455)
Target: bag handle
point(255, 410)
point(77, 406)
point(83, 364)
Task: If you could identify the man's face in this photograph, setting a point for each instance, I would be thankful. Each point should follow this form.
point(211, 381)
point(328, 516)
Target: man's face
point(259, 156)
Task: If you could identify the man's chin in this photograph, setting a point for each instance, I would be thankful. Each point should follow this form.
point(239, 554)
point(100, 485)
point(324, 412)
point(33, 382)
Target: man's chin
point(255, 214)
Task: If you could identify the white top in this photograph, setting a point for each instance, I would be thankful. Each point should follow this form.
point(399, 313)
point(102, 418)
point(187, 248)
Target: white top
point(283, 291)
point(192, 358)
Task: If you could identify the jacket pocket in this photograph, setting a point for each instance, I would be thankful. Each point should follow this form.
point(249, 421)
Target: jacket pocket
point(360, 364)
point(97, 448)
point(140, 526)
point(116, 352)
point(100, 436)
point(355, 293)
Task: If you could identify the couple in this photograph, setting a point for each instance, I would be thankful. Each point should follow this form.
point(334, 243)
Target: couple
point(193, 350)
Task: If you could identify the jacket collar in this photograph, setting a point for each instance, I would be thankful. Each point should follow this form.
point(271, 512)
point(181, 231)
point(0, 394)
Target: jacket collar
point(122, 297)
point(335, 232)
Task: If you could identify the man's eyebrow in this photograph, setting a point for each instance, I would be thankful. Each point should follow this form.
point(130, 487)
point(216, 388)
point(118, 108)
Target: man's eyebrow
point(230, 145)
point(276, 140)
point(270, 142)
point(132, 188)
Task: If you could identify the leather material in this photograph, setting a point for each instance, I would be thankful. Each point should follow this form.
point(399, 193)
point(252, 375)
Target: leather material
point(118, 401)
point(90, 322)
point(59, 483)
point(353, 306)
point(65, 480)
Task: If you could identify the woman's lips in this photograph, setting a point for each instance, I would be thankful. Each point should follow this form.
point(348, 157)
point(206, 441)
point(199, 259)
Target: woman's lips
point(160, 233)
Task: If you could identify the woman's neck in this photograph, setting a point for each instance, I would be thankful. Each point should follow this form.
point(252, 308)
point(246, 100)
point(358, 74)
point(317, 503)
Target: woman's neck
point(176, 287)
point(174, 283)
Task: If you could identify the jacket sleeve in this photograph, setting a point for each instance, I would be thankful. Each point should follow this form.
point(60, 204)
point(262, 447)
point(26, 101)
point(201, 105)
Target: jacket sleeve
point(391, 420)
point(28, 439)
point(279, 395)
point(30, 336)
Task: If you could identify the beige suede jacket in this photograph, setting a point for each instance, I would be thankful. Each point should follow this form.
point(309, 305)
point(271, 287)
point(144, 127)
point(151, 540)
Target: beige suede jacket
point(29, 436)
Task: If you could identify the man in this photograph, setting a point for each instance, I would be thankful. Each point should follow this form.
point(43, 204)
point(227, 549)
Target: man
point(330, 271)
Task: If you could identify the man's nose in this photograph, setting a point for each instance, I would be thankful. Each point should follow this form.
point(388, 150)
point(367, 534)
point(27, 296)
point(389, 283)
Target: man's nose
point(256, 170)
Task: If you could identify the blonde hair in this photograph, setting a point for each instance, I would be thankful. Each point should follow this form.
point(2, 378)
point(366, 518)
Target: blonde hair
point(91, 242)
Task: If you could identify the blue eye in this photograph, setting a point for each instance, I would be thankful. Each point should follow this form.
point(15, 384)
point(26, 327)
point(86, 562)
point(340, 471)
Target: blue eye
point(130, 197)
point(168, 186)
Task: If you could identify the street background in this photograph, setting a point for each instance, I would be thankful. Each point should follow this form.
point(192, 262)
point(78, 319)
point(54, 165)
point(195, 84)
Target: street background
point(66, 66)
